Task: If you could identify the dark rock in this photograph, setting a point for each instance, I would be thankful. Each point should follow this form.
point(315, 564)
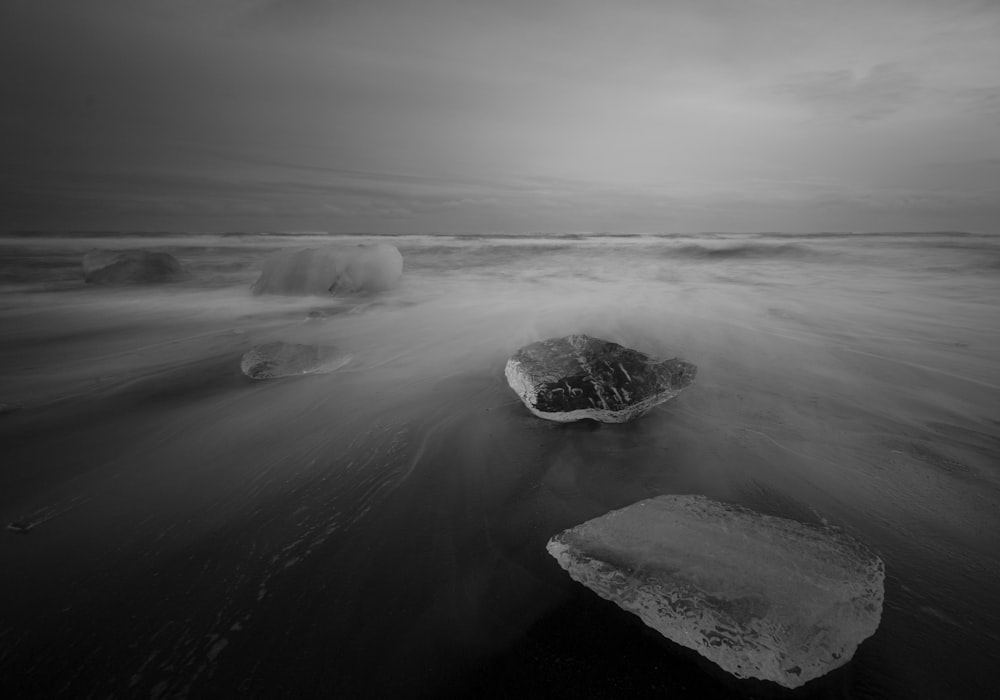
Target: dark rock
point(273, 360)
point(576, 377)
point(331, 270)
point(760, 596)
point(130, 267)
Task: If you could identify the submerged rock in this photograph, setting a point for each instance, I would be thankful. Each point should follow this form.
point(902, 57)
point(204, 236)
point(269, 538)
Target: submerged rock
point(760, 596)
point(576, 377)
point(331, 270)
point(130, 267)
point(273, 360)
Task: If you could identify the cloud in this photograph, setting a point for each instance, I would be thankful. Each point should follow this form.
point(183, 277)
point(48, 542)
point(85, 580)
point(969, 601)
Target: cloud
point(982, 101)
point(298, 12)
point(845, 94)
point(471, 115)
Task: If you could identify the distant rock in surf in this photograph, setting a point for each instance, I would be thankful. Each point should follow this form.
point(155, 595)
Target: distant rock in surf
point(578, 377)
point(6, 408)
point(760, 596)
point(274, 360)
point(331, 270)
point(130, 267)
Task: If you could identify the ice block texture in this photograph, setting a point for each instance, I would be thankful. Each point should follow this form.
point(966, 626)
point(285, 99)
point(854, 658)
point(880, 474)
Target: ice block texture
point(113, 267)
point(760, 596)
point(274, 360)
point(576, 377)
point(330, 270)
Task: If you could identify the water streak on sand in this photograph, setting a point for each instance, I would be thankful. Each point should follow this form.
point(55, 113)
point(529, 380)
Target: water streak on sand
point(219, 535)
point(926, 368)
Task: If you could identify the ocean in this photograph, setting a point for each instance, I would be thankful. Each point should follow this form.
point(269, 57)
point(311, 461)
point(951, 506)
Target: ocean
point(379, 531)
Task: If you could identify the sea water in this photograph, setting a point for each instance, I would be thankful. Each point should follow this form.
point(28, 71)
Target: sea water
point(380, 530)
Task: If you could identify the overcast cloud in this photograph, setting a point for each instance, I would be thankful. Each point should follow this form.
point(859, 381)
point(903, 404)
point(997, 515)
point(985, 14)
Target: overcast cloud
point(476, 116)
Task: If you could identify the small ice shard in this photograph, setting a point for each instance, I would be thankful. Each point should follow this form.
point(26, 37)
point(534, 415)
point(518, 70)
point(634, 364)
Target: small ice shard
point(760, 596)
point(273, 360)
point(330, 270)
point(577, 377)
point(130, 267)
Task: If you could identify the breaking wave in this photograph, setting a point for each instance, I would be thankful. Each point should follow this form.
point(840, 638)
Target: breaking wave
point(747, 251)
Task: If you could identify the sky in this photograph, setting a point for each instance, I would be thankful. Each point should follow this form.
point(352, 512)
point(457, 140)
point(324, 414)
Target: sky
point(490, 116)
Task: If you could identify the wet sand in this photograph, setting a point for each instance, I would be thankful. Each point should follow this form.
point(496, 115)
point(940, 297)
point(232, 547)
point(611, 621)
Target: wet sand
point(380, 531)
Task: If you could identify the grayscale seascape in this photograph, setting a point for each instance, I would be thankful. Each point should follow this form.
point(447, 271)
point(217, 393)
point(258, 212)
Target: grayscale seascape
point(499, 350)
point(379, 530)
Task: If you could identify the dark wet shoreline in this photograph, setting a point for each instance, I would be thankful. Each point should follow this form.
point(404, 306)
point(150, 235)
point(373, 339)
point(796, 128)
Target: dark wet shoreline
point(381, 529)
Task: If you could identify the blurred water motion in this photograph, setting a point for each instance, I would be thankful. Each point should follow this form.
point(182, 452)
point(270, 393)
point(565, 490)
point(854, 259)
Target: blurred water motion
point(380, 530)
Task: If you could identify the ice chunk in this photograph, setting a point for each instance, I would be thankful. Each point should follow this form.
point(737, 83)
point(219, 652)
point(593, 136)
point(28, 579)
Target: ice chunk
point(331, 270)
point(760, 596)
point(130, 267)
point(273, 360)
point(577, 377)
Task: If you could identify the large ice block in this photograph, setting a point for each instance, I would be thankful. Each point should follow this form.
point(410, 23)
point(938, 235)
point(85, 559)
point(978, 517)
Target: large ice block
point(330, 270)
point(578, 377)
point(762, 597)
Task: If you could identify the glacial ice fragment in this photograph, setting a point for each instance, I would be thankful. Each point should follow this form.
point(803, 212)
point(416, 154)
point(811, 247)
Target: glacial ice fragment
point(577, 377)
point(330, 270)
point(274, 360)
point(762, 597)
point(114, 267)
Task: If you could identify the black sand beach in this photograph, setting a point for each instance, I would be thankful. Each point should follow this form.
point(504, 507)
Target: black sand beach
point(180, 530)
